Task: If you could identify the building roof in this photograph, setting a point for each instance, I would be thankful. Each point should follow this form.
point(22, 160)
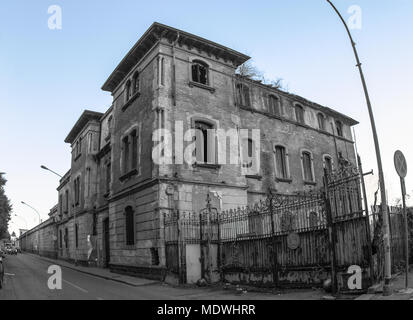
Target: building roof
point(149, 39)
point(86, 116)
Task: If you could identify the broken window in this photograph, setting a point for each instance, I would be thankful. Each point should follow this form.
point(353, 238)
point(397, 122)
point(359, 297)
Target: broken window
point(281, 162)
point(274, 105)
point(243, 95)
point(200, 72)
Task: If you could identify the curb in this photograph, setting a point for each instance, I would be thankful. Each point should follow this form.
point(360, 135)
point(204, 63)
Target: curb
point(58, 262)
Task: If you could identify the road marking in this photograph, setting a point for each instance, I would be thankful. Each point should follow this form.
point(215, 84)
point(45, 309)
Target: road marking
point(75, 286)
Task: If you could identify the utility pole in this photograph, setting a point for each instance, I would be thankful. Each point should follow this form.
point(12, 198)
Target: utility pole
point(384, 211)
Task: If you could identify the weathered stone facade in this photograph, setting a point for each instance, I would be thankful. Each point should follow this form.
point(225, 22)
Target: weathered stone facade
point(154, 87)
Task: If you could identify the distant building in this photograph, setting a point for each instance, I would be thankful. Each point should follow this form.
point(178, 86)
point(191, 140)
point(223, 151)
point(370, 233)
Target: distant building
point(112, 199)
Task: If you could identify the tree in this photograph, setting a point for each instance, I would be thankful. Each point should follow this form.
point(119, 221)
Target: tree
point(5, 209)
point(248, 70)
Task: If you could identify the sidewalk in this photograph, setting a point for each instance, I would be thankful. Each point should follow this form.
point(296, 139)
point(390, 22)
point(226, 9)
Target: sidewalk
point(101, 273)
point(397, 284)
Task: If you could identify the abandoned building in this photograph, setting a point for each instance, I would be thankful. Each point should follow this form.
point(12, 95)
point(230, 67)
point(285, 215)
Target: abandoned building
point(110, 202)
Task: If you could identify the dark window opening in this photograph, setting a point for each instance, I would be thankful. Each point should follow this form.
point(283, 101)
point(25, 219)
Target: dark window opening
point(339, 127)
point(155, 256)
point(328, 163)
point(203, 147)
point(125, 160)
point(200, 72)
point(136, 82)
point(243, 93)
point(321, 121)
point(108, 177)
point(130, 227)
point(66, 238)
point(128, 90)
point(134, 140)
point(76, 235)
point(299, 114)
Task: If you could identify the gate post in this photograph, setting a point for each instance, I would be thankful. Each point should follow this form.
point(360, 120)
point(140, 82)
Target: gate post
point(331, 235)
point(274, 252)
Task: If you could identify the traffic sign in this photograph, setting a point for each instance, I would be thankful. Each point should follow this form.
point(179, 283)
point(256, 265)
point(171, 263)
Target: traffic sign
point(400, 164)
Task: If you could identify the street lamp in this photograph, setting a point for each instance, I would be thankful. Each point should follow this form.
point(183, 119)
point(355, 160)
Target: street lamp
point(40, 221)
point(386, 229)
point(46, 168)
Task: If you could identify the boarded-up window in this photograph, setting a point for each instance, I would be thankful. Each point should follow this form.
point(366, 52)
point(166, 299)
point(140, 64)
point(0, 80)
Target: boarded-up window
point(129, 225)
point(307, 166)
point(299, 114)
point(281, 162)
point(274, 105)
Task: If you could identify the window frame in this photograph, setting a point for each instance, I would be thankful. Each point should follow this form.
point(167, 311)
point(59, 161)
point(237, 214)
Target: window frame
point(271, 97)
point(339, 128)
point(200, 64)
point(300, 120)
point(322, 124)
point(311, 158)
point(287, 178)
point(243, 94)
point(325, 157)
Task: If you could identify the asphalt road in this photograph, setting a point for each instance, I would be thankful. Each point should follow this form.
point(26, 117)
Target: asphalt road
point(26, 278)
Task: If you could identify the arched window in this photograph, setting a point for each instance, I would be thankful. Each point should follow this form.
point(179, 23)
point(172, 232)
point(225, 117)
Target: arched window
point(328, 163)
point(339, 128)
point(281, 168)
point(321, 121)
point(129, 225)
point(204, 142)
point(299, 114)
point(243, 95)
point(135, 81)
point(200, 72)
point(127, 90)
point(307, 164)
point(274, 105)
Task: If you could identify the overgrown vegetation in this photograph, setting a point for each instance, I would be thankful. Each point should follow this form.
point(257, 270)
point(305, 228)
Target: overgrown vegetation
point(5, 210)
point(248, 70)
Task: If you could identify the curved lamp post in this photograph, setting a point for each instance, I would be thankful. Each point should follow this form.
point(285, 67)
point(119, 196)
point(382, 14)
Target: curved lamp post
point(386, 230)
point(40, 221)
point(46, 168)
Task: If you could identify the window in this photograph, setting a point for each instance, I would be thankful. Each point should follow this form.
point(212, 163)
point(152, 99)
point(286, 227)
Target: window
point(339, 128)
point(321, 121)
point(248, 153)
point(60, 204)
point(128, 91)
point(200, 72)
point(204, 142)
point(134, 140)
point(243, 95)
point(77, 190)
point(78, 147)
point(76, 235)
point(328, 164)
point(135, 82)
point(274, 105)
point(125, 158)
point(66, 238)
point(299, 114)
point(307, 166)
point(130, 227)
point(66, 201)
point(281, 169)
point(108, 178)
point(60, 239)
point(161, 79)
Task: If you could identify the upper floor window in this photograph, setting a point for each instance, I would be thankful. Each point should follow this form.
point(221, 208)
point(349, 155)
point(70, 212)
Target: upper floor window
point(125, 154)
point(108, 177)
point(128, 90)
point(274, 105)
point(134, 142)
point(243, 95)
point(339, 128)
point(321, 121)
point(307, 164)
point(130, 151)
point(60, 204)
point(66, 209)
point(129, 226)
point(204, 142)
point(78, 148)
point(200, 72)
point(328, 163)
point(299, 114)
point(281, 162)
point(135, 82)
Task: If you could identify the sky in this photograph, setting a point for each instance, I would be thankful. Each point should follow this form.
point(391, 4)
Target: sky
point(49, 76)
